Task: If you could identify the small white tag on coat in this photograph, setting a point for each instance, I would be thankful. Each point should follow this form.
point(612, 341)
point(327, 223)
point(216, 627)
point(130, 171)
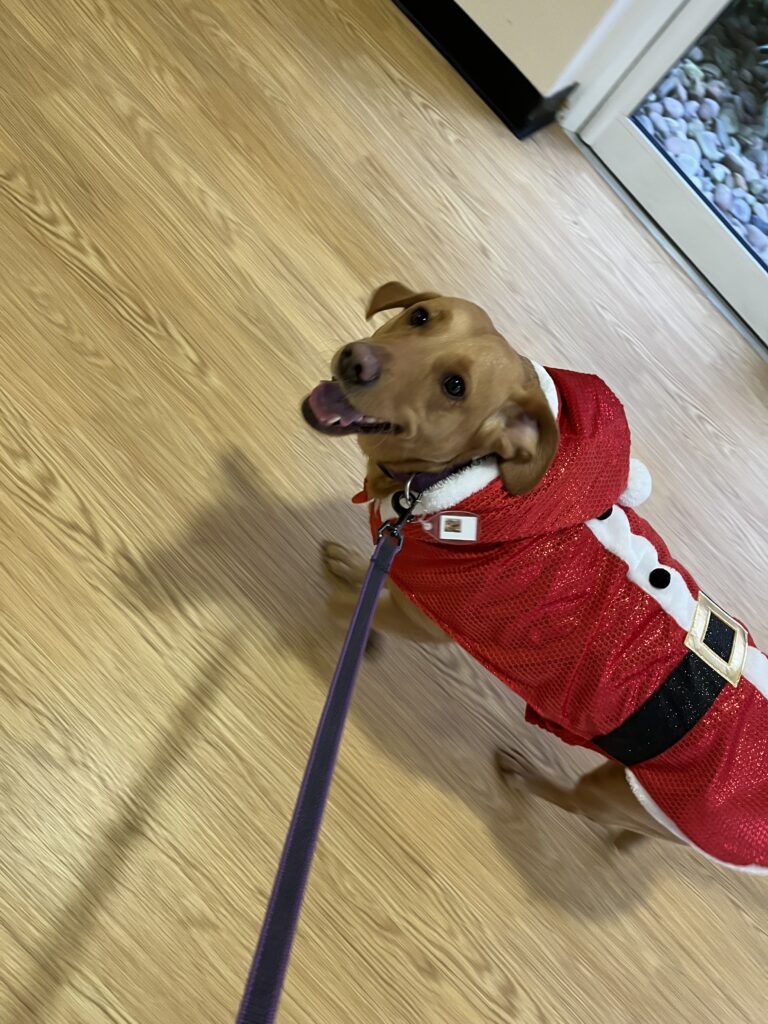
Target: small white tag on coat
point(454, 527)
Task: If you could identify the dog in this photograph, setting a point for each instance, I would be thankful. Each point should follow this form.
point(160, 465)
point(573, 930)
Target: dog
point(527, 551)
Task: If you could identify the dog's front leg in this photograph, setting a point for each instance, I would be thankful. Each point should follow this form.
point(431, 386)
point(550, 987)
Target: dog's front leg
point(394, 613)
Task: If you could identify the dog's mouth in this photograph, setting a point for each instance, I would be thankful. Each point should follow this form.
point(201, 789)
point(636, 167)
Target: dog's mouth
point(328, 410)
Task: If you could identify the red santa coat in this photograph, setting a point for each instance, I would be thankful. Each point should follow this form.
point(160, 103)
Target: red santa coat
point(571, 599)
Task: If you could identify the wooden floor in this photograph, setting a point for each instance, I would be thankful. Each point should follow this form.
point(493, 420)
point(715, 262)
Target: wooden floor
point(195, 199)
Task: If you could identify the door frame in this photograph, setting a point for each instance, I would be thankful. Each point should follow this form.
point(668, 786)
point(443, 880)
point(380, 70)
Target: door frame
point(688, 221)
point(663, 50)
point(625, 35)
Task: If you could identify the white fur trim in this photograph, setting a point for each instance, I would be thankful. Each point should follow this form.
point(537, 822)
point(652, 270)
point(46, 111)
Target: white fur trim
point(756, 670)
point(457, 488)
point(548, 387)
point(650, 805)
point(676, 599)
point(639, 485)
point(615, 535)
point(449, 493)
point(640, 555)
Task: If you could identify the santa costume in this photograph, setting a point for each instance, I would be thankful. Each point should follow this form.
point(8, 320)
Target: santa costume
point(570, 598)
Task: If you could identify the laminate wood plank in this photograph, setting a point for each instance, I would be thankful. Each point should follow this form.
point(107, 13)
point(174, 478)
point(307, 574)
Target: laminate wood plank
point(195, 200)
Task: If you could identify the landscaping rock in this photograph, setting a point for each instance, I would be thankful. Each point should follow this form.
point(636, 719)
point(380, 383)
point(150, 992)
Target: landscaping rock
point(723, 197)
point(710, 114)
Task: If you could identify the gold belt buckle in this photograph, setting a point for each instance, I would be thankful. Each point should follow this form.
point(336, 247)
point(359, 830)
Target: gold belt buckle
point(731, 669)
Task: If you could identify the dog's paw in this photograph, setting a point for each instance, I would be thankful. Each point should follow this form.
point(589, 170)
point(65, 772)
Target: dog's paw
point(511, 766)
point(340, 563)
point(625, 840)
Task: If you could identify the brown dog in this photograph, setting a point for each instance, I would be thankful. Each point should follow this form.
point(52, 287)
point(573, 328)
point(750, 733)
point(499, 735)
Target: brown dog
point(397, 391)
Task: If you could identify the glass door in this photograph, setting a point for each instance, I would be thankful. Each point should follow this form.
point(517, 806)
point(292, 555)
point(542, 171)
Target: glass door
point(686, 133)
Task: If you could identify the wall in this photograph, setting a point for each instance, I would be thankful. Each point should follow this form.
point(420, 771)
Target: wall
point(542, 37)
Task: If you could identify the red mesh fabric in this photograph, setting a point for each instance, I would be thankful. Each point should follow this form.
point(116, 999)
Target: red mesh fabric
point(714, 783)
point(548, 610)
point(552, 616)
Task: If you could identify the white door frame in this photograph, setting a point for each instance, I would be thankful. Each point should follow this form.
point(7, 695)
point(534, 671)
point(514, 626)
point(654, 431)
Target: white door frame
point(626, 31)
point(625, 35)
point(658, 187)
point(677, 34)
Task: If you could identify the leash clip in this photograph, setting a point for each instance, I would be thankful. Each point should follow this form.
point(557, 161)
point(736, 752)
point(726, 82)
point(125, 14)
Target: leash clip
point(403, 502)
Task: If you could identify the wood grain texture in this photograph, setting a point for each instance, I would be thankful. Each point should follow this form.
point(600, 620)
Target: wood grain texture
point(195, 199)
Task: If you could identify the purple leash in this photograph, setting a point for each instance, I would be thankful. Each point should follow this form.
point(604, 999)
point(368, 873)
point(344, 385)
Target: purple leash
point(270, 962)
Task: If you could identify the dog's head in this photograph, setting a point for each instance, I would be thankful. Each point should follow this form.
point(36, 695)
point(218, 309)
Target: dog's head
point(434, 387)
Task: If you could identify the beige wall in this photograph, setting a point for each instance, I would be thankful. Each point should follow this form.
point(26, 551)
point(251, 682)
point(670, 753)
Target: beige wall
point(540, 36)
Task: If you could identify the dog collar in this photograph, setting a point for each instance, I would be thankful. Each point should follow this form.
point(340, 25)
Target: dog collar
point(421, 482)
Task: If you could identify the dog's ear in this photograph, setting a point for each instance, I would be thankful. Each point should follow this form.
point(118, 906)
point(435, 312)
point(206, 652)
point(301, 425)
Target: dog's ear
point(394, 295)
point(525, 436)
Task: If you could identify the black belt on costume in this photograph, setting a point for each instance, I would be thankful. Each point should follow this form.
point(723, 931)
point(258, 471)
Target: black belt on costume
point(673, 710)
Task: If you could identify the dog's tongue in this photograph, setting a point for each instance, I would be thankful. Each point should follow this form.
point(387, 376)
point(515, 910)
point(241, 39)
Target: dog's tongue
point(330, 407)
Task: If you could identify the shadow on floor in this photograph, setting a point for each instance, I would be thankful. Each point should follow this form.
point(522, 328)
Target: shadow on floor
point(113, 850)
point(431, 708)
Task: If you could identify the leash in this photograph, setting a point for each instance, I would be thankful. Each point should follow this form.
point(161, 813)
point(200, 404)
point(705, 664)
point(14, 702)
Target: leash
point(270, 962)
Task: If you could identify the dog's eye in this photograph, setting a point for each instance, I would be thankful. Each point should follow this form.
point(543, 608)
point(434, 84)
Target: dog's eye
point(418, 317)
point(454, 386)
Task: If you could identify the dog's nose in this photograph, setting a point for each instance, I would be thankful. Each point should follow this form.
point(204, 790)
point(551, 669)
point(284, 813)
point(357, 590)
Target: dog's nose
point(358, 363)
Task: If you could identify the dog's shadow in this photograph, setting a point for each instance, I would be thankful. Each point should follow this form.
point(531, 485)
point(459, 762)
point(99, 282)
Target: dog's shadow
point(431, 708)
